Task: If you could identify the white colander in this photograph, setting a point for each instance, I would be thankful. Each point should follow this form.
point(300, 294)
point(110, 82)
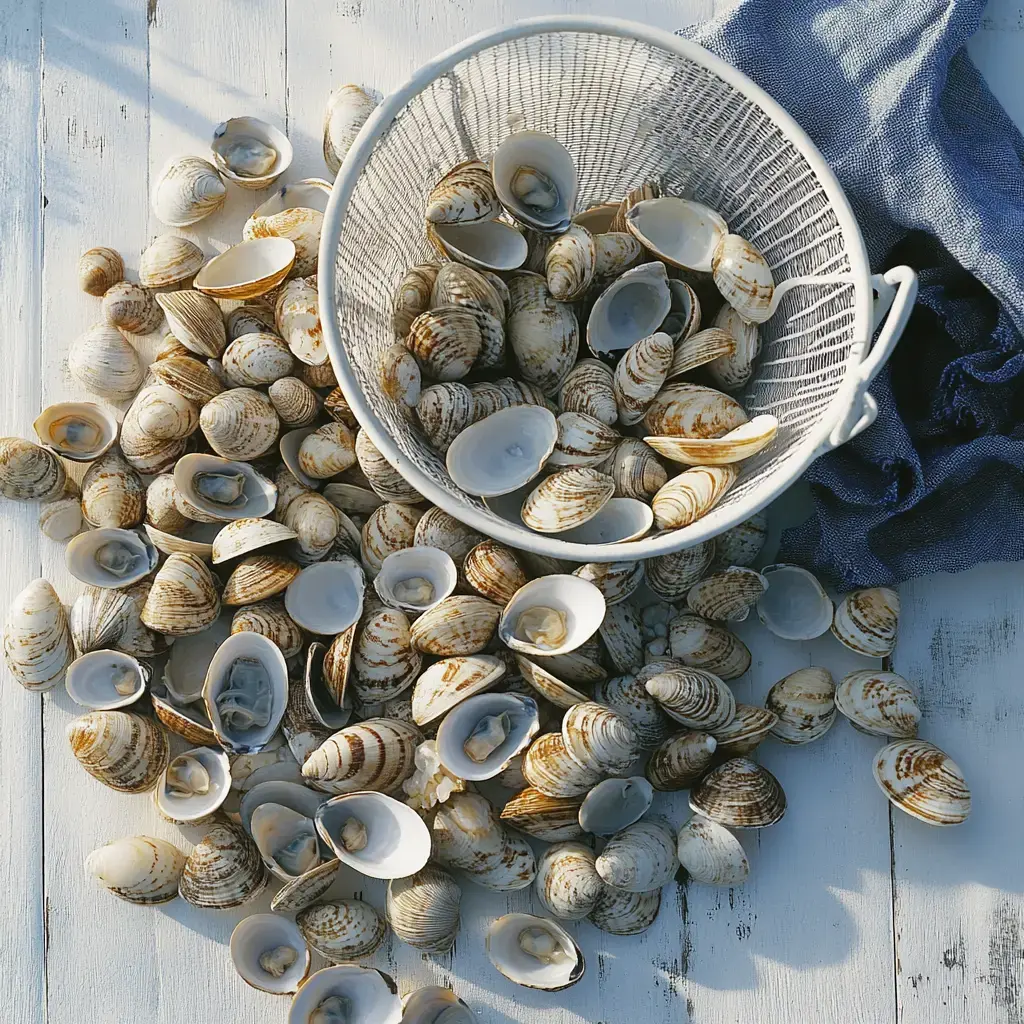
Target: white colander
point(631, 104)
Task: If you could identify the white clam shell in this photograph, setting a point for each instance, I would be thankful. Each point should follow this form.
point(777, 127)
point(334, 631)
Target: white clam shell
point(805, 704)
point(622, 633)
point(240, 424)
point(297, 404)
point(446, 341)
point(327, 597)
point(459, 625)
point(29, 472)
point(582, 441)
point(413, 296)
point(60, 520)
point(483, 245)
point(743, 277)
point(260, 494)
point(99, 618)
point(879, 703)
point(459, 724)
point(37, 637)
point(680, 761)
point(738, 444)
point(619, 520)
point(187, 190)
point(795, 605)
point(190, 377)
point(924, 781)
point(464, 195)
point(423, 911)
point(567, 882)
point(99, 268)
point(731, 371)
point(184, 597)
point(193, 807)
point(615, 804)
point(196, 321)
point(548, 685)
point(691, 495)
point(347, 111)
point(430, 564)
point(739, 794)
point(450, 681)
point(272, 812)
point(131, 308)
point(389, 528)
point(682, 232)
point(169, 260)
point(77, 431)
point(625, 913)
point(255, 359)
point(599, 738)
point(295, 212)
point(493, 571)
point(632, 307)
point(627, 695)
point(243, 147)
point(259, 935)
point(615, 580)
point(544, 154)
point(711, 854)
point(615, 252)
point(570, 264)
point(691, 410)
point(371, 997)
point(683, 320)
point(383, 478)
point(866, 621)
point(138, 869)
point(434, 1003)
point(505, 952)
point(400, 377)
point(641, 857)
point(103, 680)
point(740, 545)
point(298, 320)
point(80, 557)
point(577, 604)
point(745, 731)
point(444, 410)
point(106, 364)
point(640, 374)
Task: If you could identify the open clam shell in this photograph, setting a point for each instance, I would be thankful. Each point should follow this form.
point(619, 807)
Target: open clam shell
point(619, 520)
point(224, 489)
point(481, 734)
point(711, 854)
point(247, 269)
point(326, 597)
point(78, 431)
point(295, 211)
point(110, 557)
point(448, 682)
point(924, 781)
point(250, 152)
point(138, 869)
point(615, 804)
point(415, 579)
point(552, 615)
point(632, 307)
point(392, 842)
point(535, 179)
point(739, 794)
point(363, 995)
point(805, 704)
point(534, 952)
point(435, 1004)
point(269, 953)
point(241, 536)
point(879, 703)
point(319, 696)
point(483, 245)
point(278, 815)
point(103, 680)
point(681, 232)
point(567, 882)
point(738, 444)
point(866, 621)
point(641, 857)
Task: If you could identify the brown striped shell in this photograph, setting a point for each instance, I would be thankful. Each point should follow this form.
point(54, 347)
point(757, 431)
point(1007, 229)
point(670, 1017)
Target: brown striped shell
point(224, 870)
point(805, 704)
point(640, 374)
point(138, 869)
point(113, 493)
point(692, 494)
point(190, 377)
point(549, 769)
point(879, 703)
point(589, 388)
point(37, 638)
point(739, 794)
point(671, 576)
point(464, 195)
point(866, 621)
point(445, 342)
point(625, 913)
point(727, 595)
point(598, 738)
point(342, 930)
point(385, 660)
point(924, 781)
point(257, 577)
point(549, 818)
point(748, 727)
point(691, 410)
point(693, 697)
point(412, 297)
point(566, 499)
point(570, 264)
point(568, 885)
point(98, 269)
point(376, 754)
point(269, 619)
point(681, 760)
point(458, 625)
point(122, 750)
point(28, 472)
point(444, 411)
point(699, 643)
point(628, 696)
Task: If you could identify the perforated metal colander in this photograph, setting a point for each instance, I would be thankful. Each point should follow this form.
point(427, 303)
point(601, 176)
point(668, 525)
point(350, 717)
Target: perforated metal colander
point(631, 104)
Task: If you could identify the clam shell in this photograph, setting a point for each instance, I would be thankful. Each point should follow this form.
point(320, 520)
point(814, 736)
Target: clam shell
point(671, 576)
point(622, 633)
point(131, 308)
point(741, 544)
point(113, 494)
point(444, 411)
point(711, 854)
point(169, 260)
point(372, 993)
point(805, 704)
point(445, 342)
point(323, 376)
point(691, 410)
point(461, 722)
point(224, 870)
point(90, 680)
point(385, 480)
point(99, 618)
point(866, 621)
point(505, 952)
point(423, 910)
point(61, 519)
point(138, 869)
point(738, 444)
point(342, 929)
point(190, 377)
point(377, 754)
point(549, 685)
point(464, 195)
point(681, 760)
point(427, 1005)
point(692, 494)
point(543, 333)
point(77, 431)
point(467, 833)
point(196, 321)
point(589, 389)
point(251, 318)
point(160, 413)
point(641, 857)
point(627, 695)
point(306, 889)
point(270, 619)
point(579, 604)
point(459, 625)
point(256, 938)
point(99, 268)
point(450, 681)
point(240, 424)
point(570, 264)
point(296, 403)
point(347, 111)
point(295, 212)
point(705, 645)
point(187, 190)
point(879, 703)
point(105, 363)
point(683, 320)
point(161, 511)
point(614, 253)
point(745, 731)
point(922, 780)
point(598, 738)
point(630, 308)
point(493, 572)
point(582, 441)
point(567, 499)
point(400, 377)
point(731, 371)
point(401, 568)
point(795, 606)
point(80, 557)
point(546, 158)
point(681, 232)
point(743, 277)
point(739, 794)
point(250, 152)
point(616, 580)
point(625, 913)
point(727, 595)
point(458, 285)
point(640, 374)
point(241, 536)
point(298, 321)
point(122, 750)
point(548, 818)
point(635, 470)
point(390, 527)
point(700, 349)
point(328, 451)
point(385, 660)
point(183, 599)
point(693, 697)
point(254, 359)
point(615, 804)
point(567, 882)
point(37, 637)
point(352, 499)
point(413, 296)
point(597, 218)
point(549, 769)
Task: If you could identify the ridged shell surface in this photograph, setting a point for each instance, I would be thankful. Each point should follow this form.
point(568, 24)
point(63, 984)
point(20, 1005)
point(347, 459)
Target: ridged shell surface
point(297, 404)
point(257, 577)
point(457, 626)
point(699, 643)
point(377, 754)
point(113, 493)
point(138, 869)
point(747, 729)
point(445, 342)
point(924, 781)
point(106, 364)
point(625, 913)
point(270, 619)
point(342, 930)
point(622, 633)
point(37, 637)
point(693, 697)
point(549, 818)
point(255, 359)
point(879, 703)
point(727, 596)
point(566, 499)
point(196, 321)
point(543, 333)
point(640, 374)
point(388, 528)
point(423, 909)
point(548, 768)
point(413, 295)
point(628, 696)
point(188, 376)
point(582, 441)
point(742, 275)
point(640, 858)
point(711, 854)
point(381, 475)
point(464, 195)
point(240, 424)
point(183, 599)
point(866, 621)
point(224, 870)
point(568, 885)
point(169, 260)
point(635, 470)
point(348, 108)
point(732, 371)
point(99, 618)
point(598, 738)
point(384, 659)
point(589, 388)
point(805, 704)
point(616, 580)
point(122, 750)
point(739, 794)
point(297, 316)
point(570, 264)
point(691, 410)
point(187, 190)
point(99, 268)
point(691, 495)
point(450, 681)
point(681, 760)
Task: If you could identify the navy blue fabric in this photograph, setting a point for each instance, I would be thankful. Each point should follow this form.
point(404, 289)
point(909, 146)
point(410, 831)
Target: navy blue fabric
point(934, 170)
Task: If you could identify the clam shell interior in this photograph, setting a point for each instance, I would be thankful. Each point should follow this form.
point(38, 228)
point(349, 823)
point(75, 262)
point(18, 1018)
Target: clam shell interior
point(257, 934)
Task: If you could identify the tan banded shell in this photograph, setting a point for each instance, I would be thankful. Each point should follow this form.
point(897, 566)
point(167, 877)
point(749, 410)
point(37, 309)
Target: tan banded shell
point(622, 633)
point(691, 495)
point(740, 443)
point(138, 869)
point(376, 754)
point(742, 275)
point(589, 388)
point(681, 760)
point(423, 909)
point(924, 781)
point(547, 684)
point(691, 410)
point(625, 913)
point(342, 930)
point(693, 697)
point(568, 885)
point(381, 475)
point(384, 659)
point(748, 727)
point(388, 528)
point(549, 769)
point(879, 703)
point(224, 870)
point(566, 499)
point(169, 260)
point(628, 696)
point(306, 889)
point(464, 195)
point(29, 472)
point(635, 469)
point(641, 857)
point(549, 818)
point(570, 263)
point(400, 377)
point(702, 644)
point(616, 580)
point(727, 595)
point(412, 297)
point(598, 738)
point(615, 252)
point(256, 359)
point(699, 349)
point(459, 285)
point(733, 370)
point(196, 321)
point(671, 576)
point(640, 374)
point(866, 621)
point(37, 637)
point(184, 597)
point(543, 333)
point(582, 441)
point(99, 618)
point(105, 363)
point(113, 493)
point(269, 619)
point(492, 571)
point(444, 411)
point(99, 268)
point(445, 342)
point(122, 750)
point(240, 424)
point(296, 403)
point(190, 377)
point(458, 625)
point(450, 681)
point(257, 577)
point(187, 189)
point(131, 308)
point(241, 536)
point(739, 794)
point(804, 702)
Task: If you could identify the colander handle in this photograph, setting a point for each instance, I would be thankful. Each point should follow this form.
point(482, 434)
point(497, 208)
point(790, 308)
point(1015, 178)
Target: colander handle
point(895, 293)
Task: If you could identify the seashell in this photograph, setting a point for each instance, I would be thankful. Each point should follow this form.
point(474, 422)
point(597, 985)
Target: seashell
point(430, 1004)
point(550, 770)
point(599, 738)
point(29, 472)
point(582, 441)
point(296, 212)
point(552, 615)
point(632, 307)
point(740, 443)
point(691, 495)
point(795, 606)
point(458, 626)
point(681, 760)
point(570, 264)
point(323, 699)
point(385, 660)
point(879, 703)
point(635, 470)
point(567, 882)
point(567, 499)
point(170, 347)
point(37, 637)
point(374, 834)
point(924, 781)
point(400, 377)
point(739, 794)
point(306, 889)
point(390, 527)
point(543, 333)
point(240, 424)
point(196, 321)
point(464, 195)
point(415, 579)
point(743, 277)
point(161, 510)
point(627, 695)
point(511, 776)
point(327, 451)
point(622, 634)
point(548, 685)
point(727, 595)
point(866, 621)
point(388, 483)
point(98, 269)
point(322, 376)
point(377, 754)
point(330, 991)
point(625, 913)
point(641, 857)
point(270, 620)
point(113, 494)
point(250, 152)
point(122, 750)
point(733, 370)
point(683, 320)
point(183, 599)
point(445, 341)
point(162, 414)
point(242, 536)
point(298, 322)
point(693, 697)
point(269, 953)
point(467, 833)
point(351, 499)
point(187, 190)
point(256, 317)
point(423, 910)
point(138, 869)
point(193, 786)
point(701, 349)
point(105, 680)
point(61, 519)
point(479, 736)
point(741, 544)
point(105, 363)
point(78, 431)
point(255, 359)
point(639, 375)
point(548, 818)
point(745, 731)
point(589, 389)
point(671, 576)
point(597, 218)
point(110, 557)
point(534, 952)
point(247, 270)
point(224, 870)
point(483, 245)
point(458, 285)
point(137, 639)
point(221, 490)
point(149, 455)
point(131, 308)
point(342, 930)
point(413, 296)
point(690, 410)
point(437, 529)
point(169, 260)
point(615, 804)
point(493, 572)
point(681, 232)
point(535, 179)
point(804, 702)
point(616, 580)
point(614, 252)
point(347, 111)
point(711, 854)
point(698, 643)
point(192, 379)
point(296, 404)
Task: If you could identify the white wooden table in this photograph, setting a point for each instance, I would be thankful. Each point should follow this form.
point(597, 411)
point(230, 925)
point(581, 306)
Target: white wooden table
point(853, 912)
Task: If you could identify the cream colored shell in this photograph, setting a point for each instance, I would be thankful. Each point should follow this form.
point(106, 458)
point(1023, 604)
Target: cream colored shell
point(105, 363)
point(37, 637)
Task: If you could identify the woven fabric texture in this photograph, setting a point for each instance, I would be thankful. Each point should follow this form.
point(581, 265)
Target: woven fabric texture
point(932, 166)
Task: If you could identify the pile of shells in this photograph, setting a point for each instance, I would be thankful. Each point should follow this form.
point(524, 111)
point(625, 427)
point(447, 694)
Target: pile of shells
point(287, 647)
point(576, 369)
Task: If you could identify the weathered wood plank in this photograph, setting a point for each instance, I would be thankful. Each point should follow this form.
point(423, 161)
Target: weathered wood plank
point(959, 892)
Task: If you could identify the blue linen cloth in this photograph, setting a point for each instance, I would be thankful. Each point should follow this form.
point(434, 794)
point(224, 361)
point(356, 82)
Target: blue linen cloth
point(934, 170)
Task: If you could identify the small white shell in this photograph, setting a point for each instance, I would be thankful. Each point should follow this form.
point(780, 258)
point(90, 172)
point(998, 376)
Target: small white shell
point(370, 995)
point(681, 760)
point(743, 277)
point(187, 190)
point(416, 578)
point(78, 431)
point(567, 882)
point(258, 358)
point(423, 911)
point(711, 854)
point(795, 605)
point(169, 260)
point(732, 370)
point(298, 320)
point(552, 615)
point(739, 794)
point(203, 765)
point(255, 944)
point(240, 424)
point(582, 441)
point(702, 644)
point(104, 680)
point(138, 869)
point(682, 232)
point(99, 268)
point(106, 364)
point(550, 770)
